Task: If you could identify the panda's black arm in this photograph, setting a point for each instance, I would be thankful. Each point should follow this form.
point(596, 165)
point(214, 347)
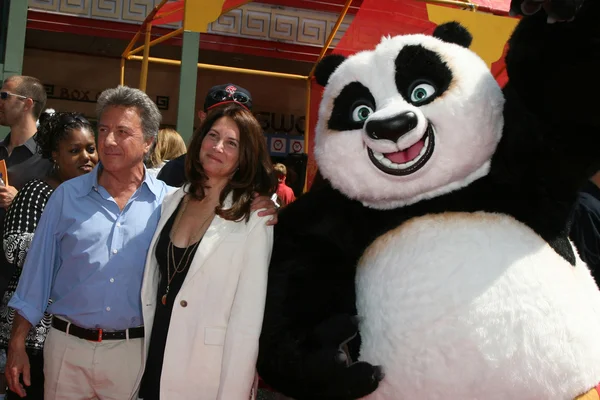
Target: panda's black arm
point(551, 138)
point(310, 306)
point(553, 68)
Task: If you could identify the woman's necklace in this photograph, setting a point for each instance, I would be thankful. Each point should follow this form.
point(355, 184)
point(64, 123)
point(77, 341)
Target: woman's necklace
point(189, 250)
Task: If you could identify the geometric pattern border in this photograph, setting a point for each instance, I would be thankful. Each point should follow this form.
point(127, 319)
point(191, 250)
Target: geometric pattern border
point(282, 24)
point(253, 21)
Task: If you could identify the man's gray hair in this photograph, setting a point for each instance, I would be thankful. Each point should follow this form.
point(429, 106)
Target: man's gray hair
point(124, 96)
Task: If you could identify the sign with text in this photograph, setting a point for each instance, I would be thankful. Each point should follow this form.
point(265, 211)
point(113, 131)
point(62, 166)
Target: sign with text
point(281, 123)
point(89, 95)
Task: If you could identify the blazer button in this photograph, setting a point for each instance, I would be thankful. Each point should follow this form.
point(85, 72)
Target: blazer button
point(183, 303)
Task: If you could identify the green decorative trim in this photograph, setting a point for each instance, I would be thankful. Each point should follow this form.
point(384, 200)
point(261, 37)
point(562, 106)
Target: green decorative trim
point(12, 41)
point(188, 79)
point(3, 27)
point(15, 38)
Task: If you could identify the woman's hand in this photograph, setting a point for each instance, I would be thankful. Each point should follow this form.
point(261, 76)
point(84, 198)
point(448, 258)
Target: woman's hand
point(264, 202)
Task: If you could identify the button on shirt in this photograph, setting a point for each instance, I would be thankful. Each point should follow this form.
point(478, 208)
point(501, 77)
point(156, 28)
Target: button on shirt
point(88, 256)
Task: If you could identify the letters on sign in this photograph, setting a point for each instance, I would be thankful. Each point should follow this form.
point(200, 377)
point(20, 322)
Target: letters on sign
point(271, 122)
point(89, 96)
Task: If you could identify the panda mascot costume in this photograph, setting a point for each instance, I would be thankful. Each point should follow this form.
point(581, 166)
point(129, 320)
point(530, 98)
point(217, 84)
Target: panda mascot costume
point(436, 264)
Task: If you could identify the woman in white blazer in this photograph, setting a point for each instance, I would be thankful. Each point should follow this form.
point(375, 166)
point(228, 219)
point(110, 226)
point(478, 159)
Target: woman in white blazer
point(204, 288)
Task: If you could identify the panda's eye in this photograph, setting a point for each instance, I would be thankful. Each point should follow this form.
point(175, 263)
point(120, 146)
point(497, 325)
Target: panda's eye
point(361, 113)
point(421, 93)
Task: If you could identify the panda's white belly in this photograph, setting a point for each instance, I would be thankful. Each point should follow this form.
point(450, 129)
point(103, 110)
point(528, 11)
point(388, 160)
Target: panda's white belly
point(476, 306)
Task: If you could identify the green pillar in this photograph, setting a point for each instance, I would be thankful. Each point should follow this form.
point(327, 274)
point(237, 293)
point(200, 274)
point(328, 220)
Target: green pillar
point(12, 38)
point(188, 78)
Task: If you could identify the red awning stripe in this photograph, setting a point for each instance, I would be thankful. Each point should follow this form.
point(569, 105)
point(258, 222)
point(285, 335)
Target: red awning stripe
point(170, 13)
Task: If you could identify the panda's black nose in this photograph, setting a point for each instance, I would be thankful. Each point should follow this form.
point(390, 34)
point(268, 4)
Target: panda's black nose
point(392, 128)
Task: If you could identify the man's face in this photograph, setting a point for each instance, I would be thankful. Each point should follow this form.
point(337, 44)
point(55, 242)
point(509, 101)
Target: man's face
point(12, 108)
point(121, 143)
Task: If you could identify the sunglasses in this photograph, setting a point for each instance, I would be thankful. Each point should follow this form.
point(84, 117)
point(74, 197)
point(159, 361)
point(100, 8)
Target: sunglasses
point(4, 96)
point(222, 95)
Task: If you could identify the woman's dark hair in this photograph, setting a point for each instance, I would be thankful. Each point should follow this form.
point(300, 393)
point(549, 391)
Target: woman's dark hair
point(255, 170)
point(54, 127)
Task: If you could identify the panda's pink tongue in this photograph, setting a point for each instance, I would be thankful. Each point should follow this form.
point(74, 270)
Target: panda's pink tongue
point(404, 156)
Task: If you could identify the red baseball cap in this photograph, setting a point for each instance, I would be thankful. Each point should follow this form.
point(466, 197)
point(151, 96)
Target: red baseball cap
point(228, 93)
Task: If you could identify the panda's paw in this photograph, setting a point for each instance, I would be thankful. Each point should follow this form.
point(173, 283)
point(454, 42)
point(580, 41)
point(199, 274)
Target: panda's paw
point(329, 368)
point(329, 374)
point(555, 10)
point(336, 330)
point(354, 382)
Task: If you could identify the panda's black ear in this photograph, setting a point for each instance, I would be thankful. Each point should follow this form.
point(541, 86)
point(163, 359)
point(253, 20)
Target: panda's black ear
point(453, 32)
point(326, 67)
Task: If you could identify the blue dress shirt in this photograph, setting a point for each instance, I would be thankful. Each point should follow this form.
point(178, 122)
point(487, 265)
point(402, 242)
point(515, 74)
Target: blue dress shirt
point(88, 256)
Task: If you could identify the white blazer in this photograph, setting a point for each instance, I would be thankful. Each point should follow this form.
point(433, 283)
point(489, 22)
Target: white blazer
point(212, 345)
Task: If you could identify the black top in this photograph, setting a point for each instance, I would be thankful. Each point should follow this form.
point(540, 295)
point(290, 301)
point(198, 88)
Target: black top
point(173, 172)
point(150, 386)
point(22, 218)
point(23, 165)
point(585, 231)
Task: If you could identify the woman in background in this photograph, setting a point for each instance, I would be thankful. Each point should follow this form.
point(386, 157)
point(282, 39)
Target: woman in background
point(67, 139)
point(168, 145)
point(206, 274)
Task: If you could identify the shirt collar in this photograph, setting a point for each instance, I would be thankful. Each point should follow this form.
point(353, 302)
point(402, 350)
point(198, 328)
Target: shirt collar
point(90, 182)
point(31, 144)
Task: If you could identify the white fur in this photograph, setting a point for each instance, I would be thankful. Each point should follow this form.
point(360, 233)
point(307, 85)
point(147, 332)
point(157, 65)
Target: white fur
point(476, 306)
point(467, 119)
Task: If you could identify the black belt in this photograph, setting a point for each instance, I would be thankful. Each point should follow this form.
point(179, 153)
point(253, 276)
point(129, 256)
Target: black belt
point(97, 335)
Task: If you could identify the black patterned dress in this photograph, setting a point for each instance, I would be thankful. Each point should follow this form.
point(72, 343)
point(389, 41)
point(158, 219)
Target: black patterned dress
point(21, 220)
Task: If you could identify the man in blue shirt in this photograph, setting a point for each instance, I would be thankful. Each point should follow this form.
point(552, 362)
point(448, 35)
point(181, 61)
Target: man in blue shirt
point(88, 256)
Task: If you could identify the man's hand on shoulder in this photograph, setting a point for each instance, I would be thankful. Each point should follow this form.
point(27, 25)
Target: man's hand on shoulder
point(268, 206)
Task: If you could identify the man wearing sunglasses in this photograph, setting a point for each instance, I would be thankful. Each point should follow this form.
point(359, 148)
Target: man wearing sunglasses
point(173, 173)
point(22, 100)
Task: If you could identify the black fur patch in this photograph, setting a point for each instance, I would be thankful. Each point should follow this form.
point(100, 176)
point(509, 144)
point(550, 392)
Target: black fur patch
point(416, 65)
point(453, 32)
point(326, 67)
point(353, 95)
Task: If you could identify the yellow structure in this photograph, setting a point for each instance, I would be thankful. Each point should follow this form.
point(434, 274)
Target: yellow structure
point(199, 14)
point(490, 32)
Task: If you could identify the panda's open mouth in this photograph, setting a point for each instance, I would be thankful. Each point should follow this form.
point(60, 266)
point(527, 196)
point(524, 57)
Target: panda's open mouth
point(407, 161)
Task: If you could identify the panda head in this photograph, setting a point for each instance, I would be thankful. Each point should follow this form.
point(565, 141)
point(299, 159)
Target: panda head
point(417, 117)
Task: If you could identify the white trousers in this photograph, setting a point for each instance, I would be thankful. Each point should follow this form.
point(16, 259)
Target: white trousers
point(77, 369)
